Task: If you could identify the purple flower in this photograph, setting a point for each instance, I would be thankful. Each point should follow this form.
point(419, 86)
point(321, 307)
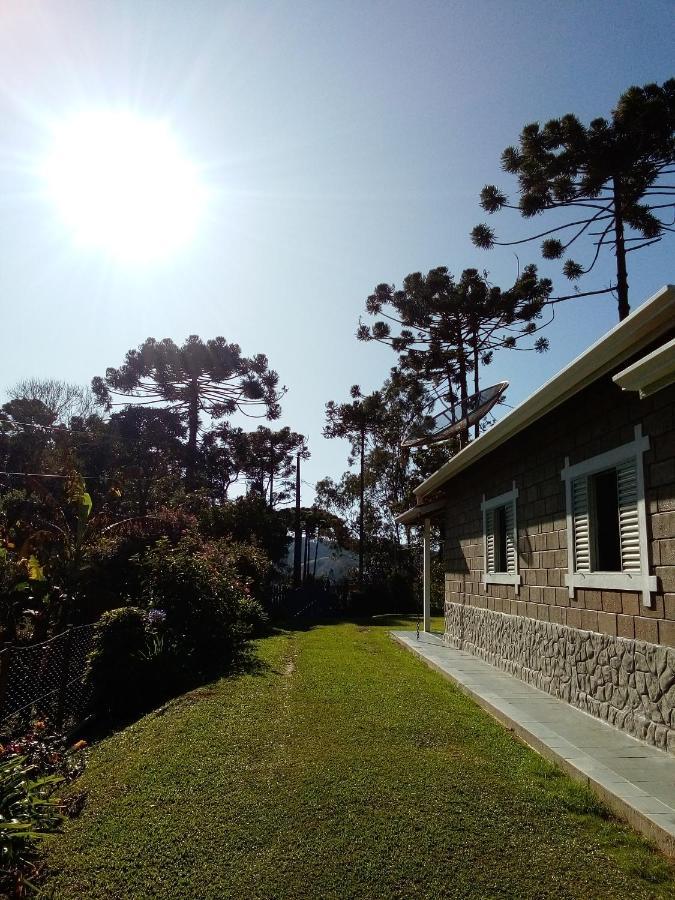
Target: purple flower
point(156, 617)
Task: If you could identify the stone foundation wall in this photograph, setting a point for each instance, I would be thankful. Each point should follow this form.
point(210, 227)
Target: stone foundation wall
point(628, 683)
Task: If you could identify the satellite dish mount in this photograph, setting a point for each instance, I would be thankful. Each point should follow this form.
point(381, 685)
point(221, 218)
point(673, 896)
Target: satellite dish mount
point(459, 417)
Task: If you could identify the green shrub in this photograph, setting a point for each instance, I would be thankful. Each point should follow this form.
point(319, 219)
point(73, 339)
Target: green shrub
point(122, 676)
point(248, 521)
point(210, 610)
point(199, 609)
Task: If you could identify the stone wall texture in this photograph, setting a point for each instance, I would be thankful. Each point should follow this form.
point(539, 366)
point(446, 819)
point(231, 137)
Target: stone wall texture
point(629, 684)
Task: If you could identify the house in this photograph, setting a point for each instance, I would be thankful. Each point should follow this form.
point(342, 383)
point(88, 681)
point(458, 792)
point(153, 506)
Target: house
point(558, 532)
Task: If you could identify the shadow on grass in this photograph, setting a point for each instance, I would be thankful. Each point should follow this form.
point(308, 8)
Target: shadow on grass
point(245, 663)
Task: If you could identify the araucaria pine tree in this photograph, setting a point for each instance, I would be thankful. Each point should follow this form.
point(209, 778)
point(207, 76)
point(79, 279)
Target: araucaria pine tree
point(611, 180)
point(448, 329)
point(211, 377)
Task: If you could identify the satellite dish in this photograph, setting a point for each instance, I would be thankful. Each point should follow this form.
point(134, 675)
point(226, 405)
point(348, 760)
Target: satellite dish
point(458, 417)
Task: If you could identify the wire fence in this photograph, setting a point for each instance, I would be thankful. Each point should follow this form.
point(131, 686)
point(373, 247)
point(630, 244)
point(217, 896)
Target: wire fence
point(46, 681)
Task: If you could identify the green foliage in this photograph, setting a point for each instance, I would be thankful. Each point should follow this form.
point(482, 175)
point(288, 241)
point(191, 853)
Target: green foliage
point(148, 455)
point(249, 520)
point(609, 175)
point(210, 610)
point(28, 812)
point(118, 667)
point(270, 467)
point(451, 327)
point(198, 377)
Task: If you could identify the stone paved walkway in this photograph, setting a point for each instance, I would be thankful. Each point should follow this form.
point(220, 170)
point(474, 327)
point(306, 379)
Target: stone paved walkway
point(636, 781)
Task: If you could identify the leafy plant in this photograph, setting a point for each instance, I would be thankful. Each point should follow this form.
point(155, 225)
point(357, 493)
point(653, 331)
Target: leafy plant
point(27, 813)
point(120, 663)
point(46, 751)
point(210, 609)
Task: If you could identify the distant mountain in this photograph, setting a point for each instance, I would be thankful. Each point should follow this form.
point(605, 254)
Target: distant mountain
point(331, 561)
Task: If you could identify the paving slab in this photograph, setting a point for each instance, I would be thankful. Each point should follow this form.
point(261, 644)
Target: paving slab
point(636, 781)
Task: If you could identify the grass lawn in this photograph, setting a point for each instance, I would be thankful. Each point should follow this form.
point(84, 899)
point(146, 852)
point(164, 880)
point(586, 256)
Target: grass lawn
point(341, 767)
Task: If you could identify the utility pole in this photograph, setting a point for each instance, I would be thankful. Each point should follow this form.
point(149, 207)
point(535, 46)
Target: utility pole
point(305, 574)
point(297, 547)
point(316, 547)
point(362, 494)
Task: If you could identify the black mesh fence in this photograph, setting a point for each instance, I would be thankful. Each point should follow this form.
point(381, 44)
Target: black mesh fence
point(46, 680)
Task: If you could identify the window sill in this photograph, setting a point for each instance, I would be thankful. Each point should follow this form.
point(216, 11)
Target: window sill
point(502, 578)
point(614, 581)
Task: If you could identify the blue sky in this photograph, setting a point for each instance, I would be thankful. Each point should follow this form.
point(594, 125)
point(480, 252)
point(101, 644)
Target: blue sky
point(342, 144)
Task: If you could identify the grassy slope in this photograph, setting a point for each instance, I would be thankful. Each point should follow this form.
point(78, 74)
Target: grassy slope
point(342, 768)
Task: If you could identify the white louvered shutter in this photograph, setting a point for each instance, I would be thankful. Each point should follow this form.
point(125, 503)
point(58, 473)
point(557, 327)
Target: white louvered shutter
point(582, 542)
point(629, 525)
point(509, 522)
point(489, 541)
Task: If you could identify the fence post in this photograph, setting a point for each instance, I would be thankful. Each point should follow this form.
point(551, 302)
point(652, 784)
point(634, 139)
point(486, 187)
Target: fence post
point(5, 663)
point(63, 685)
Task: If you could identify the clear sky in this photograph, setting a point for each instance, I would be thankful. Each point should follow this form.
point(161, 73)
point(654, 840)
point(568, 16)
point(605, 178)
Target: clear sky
point(341, 144)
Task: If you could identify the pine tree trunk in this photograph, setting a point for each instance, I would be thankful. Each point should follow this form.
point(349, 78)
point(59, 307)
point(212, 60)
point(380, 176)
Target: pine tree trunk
point(476, 378)
point(271, 474)
point(193, 430)
point(463, 385)
point(620, 249)
point(297, 546)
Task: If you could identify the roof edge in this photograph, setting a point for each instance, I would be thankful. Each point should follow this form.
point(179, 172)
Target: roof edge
point(651, 373)
point(410, 516)
point(626, 338)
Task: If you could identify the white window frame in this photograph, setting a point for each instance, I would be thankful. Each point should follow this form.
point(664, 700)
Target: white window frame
point(640, 581)
point(487, 505)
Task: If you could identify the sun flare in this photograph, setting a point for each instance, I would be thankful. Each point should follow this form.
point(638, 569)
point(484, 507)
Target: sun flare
point(122, 184)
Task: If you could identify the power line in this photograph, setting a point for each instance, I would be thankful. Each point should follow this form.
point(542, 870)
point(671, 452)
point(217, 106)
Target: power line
point(51, 475)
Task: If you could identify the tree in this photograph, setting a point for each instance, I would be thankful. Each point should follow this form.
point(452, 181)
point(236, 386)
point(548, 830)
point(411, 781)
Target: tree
point(271, 461)
point(147, 449)
point(375, 426)
point(404, 402)
point(63, 400)
point(26, 435)
point(248, 520)
point(608, 178)
point(209, 377)
point(449, 328)
point(389, 472)
point(354, 421)
point(224, 456)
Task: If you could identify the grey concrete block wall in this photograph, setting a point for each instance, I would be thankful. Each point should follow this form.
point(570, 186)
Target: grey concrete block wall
point(599, 418)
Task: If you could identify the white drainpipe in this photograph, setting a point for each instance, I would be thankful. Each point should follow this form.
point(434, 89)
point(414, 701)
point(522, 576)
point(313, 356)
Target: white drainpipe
point(426, 576)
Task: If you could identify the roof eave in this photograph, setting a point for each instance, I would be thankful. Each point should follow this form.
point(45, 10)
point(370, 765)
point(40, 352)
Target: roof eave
point(650, 374)
point(423, 511)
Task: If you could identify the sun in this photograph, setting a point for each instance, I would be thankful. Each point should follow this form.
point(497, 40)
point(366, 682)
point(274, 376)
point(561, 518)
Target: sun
point(122, 184)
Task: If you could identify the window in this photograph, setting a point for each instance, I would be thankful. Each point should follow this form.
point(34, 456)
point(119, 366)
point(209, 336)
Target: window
point(606, 521)
point(500, 539)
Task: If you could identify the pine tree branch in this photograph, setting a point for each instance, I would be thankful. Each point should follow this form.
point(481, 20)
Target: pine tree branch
point(597, 217)
point(541, 234)
point(598, 246)
point(554, 300)
point(646, 244)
